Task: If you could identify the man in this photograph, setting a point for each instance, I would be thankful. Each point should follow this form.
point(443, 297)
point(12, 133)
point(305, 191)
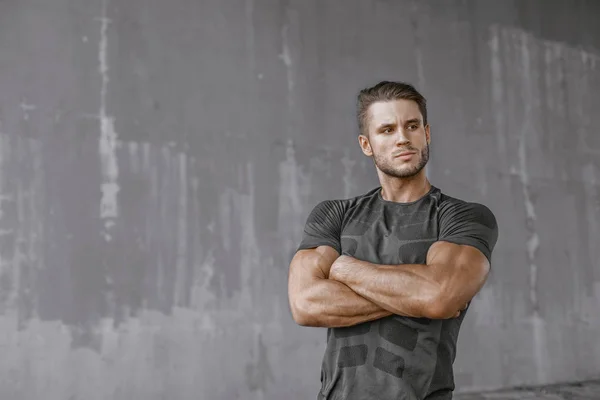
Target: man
point(390, 273)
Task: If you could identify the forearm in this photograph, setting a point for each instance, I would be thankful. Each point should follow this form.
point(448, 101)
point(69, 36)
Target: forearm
point(403, 289)
point(329, 303)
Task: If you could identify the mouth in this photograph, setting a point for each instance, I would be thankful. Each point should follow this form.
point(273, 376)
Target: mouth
point(405, 155)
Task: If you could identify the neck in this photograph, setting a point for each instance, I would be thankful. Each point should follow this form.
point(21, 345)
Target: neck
point(404, 190)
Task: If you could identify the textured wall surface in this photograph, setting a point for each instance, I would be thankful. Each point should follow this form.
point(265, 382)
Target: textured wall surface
point(158, 161)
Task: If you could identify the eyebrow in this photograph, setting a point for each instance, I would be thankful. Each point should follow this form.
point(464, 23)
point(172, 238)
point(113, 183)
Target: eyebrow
point(386, 125)
point(392, 124)
point(413, 120)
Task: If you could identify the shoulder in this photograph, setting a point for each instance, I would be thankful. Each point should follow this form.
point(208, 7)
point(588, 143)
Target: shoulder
point(459, 209)
point(341, 206)
point(467, 223)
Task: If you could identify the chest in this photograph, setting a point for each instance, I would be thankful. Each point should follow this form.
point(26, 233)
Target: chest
point(390, 235)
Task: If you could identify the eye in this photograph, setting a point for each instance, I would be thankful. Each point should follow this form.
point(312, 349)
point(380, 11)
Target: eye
point(412, 127)
point(387, 130)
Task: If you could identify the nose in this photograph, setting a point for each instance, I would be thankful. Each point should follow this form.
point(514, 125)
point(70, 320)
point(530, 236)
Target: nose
point(401, 137)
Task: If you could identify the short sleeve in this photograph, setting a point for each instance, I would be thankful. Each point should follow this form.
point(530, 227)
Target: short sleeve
point(324, 226)
point(470, 224)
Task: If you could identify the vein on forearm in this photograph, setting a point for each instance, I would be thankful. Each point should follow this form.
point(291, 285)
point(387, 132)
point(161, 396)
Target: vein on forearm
point(338, 305)
point(402, 289)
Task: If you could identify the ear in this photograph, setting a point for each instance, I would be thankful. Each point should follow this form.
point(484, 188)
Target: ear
point(427, 134)
point(365, 146)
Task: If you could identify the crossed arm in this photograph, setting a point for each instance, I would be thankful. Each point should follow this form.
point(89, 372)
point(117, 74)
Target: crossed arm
point(329, 290)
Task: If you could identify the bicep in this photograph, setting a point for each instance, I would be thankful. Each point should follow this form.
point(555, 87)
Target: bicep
point(319, 248)
point(461, 270)
point(309, 265)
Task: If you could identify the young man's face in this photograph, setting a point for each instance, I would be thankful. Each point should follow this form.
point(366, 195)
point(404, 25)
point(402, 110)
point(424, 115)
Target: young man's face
point(397, 139)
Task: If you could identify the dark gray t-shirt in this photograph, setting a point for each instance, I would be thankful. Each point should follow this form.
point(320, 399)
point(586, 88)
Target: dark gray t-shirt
point(394, 357)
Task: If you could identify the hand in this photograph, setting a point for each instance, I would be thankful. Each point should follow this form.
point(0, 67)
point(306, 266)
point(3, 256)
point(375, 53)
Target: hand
point(337, 266)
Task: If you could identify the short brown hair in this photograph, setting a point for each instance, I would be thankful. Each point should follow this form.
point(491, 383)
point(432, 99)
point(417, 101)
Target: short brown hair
point(387, 91)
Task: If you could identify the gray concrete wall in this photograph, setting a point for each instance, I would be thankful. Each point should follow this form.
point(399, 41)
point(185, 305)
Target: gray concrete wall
point(158, 160)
